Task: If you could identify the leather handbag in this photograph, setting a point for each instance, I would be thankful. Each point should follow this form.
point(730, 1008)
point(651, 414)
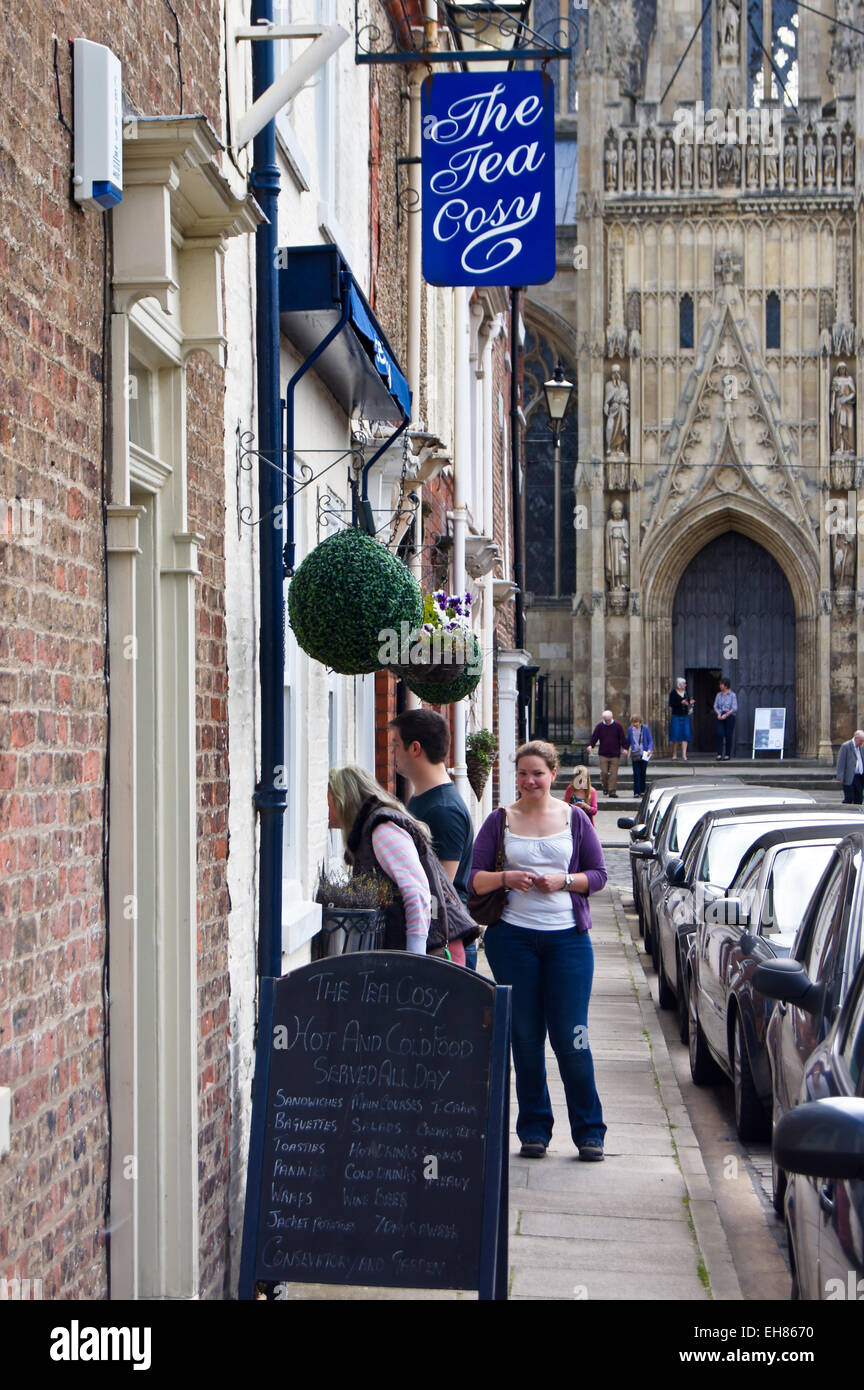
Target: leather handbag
point(486, 908)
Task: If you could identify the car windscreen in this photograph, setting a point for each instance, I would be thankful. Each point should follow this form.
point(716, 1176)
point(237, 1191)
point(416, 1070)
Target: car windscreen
point(791, 884)
point(727, 844)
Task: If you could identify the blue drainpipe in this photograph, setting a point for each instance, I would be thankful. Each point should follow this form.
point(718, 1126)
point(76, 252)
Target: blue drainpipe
point(270, 796)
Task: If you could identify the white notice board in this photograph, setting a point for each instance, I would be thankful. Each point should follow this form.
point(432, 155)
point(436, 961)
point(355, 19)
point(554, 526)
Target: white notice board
point(769, 731)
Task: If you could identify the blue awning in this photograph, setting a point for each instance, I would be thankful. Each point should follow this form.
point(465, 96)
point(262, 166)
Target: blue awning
point(358, 367)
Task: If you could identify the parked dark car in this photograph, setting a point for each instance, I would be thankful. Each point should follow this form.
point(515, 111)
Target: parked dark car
point(756, 921)
point(638, 824)
point(684, 810)
point(710, 861)
point(820, 1144)
point(811, 984)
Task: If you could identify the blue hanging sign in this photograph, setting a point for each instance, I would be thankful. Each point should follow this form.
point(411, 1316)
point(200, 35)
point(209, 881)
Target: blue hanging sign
point(488, 179)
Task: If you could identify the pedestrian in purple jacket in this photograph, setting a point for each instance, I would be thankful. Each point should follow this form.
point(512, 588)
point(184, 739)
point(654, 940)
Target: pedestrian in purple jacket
point(612, 742)
point(541, 946)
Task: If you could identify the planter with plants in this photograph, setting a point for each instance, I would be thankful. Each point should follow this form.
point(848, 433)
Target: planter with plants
point(348, 591)
point(353, 912)
point(445, 662)
point(481, 747)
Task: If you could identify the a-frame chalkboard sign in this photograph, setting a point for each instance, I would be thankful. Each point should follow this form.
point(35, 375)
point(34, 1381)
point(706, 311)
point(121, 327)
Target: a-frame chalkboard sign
point(380, 1121)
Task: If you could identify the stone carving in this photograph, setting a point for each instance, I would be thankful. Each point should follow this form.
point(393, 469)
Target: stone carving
point(829, 160)
point(616, 408)
point(843, 328)
point(790, 161)
point(706, 167)
point(611, 161)
point(847, 159)
point(667, 165)
point(616, 333)
point(728, 30)
point(810, 153)
point(633, 320)
point(847, 45)
point(648, 164)
point(617, 553)
point(843, 565)
point(772, 168)
point(728, 166)
point(751, 162)
point(629, 160)
point(685, 173)
point(842, 411)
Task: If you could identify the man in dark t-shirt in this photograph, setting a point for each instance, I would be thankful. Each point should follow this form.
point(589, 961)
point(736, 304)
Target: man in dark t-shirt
point(421, 745)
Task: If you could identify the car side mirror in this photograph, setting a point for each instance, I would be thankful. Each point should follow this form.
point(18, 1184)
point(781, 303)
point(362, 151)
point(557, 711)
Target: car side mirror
point(626, 822)
point(639, 830)
point(642, 851)
point(822, 1139)
point(675, 872)
point(727, 912)
point(788, 981)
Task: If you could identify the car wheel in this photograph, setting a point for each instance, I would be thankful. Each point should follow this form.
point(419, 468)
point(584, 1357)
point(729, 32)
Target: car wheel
point(666, 994)
point(646, 931)
point(703, 1069)
point(750, 1118)
point(683, 1009)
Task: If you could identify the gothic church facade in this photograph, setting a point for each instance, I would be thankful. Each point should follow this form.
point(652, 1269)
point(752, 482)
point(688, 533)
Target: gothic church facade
point(708, 308)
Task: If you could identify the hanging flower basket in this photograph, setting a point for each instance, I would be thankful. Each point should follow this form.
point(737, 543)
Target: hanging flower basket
point(439, 659)
point(481, 746)
point(447, 692)
point(348, 592)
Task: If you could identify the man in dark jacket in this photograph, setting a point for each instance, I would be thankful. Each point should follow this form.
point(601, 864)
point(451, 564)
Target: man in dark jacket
point(850, 768)
point(612, 742)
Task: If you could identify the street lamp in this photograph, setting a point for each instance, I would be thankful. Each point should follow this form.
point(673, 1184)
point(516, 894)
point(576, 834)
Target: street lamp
point(557, 391)
point(487, 26)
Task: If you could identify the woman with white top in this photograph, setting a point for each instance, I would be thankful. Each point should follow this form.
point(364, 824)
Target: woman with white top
point(541, 947)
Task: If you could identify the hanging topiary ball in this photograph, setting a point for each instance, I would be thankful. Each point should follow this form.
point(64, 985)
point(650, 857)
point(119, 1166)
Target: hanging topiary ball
point(437, 692)
point(345, 593)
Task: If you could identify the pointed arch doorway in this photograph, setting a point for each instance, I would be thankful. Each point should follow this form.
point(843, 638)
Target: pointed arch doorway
point(734, 614)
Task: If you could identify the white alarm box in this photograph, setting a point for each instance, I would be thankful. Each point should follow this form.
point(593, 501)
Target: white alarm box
point(98, 174)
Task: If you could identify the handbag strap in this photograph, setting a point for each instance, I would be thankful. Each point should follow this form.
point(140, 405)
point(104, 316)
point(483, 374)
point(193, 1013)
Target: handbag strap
point(502, 826)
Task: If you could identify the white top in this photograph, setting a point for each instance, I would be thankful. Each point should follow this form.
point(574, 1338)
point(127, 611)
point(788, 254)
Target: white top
point(548, 854)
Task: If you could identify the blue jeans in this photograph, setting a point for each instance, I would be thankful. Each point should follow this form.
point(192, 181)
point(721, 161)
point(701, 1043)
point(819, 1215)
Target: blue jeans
point(725, 730)
point(471, 957)
point(639, 766)
point(550, 973)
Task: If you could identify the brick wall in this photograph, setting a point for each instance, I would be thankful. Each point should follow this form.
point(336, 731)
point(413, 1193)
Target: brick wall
point(52, 694)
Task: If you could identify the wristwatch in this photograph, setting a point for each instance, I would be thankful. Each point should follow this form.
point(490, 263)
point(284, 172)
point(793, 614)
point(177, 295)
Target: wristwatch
point(568, 879)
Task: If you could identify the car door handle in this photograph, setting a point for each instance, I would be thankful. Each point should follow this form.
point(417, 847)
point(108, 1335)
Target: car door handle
point(826, 1197)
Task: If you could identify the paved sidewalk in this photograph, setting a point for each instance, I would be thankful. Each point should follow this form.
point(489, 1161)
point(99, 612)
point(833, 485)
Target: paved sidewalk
point(643, 1224)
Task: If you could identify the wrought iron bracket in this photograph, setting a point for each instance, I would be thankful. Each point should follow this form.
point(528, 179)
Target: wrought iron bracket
point(406, 42)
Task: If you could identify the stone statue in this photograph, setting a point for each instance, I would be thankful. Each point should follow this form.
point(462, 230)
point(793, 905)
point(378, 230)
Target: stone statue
point(728, 28)
point(667, 165)
point(617, 548)
point(706, 167)
point(842, 411)
point(611, 158)
point(809, 160)
point(686, 172)
point(648, 161)
point(616, 408)
point(751, 161)
point(829, 161)
point(843, 560)
point(629, 165)
point(847, 159)
point(772, 168)
point(728, 165)
point(790, 162)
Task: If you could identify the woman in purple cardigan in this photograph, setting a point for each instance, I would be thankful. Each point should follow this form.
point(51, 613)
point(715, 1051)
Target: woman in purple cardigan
point(541, 946)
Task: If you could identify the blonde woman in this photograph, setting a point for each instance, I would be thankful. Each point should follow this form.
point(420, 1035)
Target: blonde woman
point(581, 793)
point(382, 837)
point(541, 947)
